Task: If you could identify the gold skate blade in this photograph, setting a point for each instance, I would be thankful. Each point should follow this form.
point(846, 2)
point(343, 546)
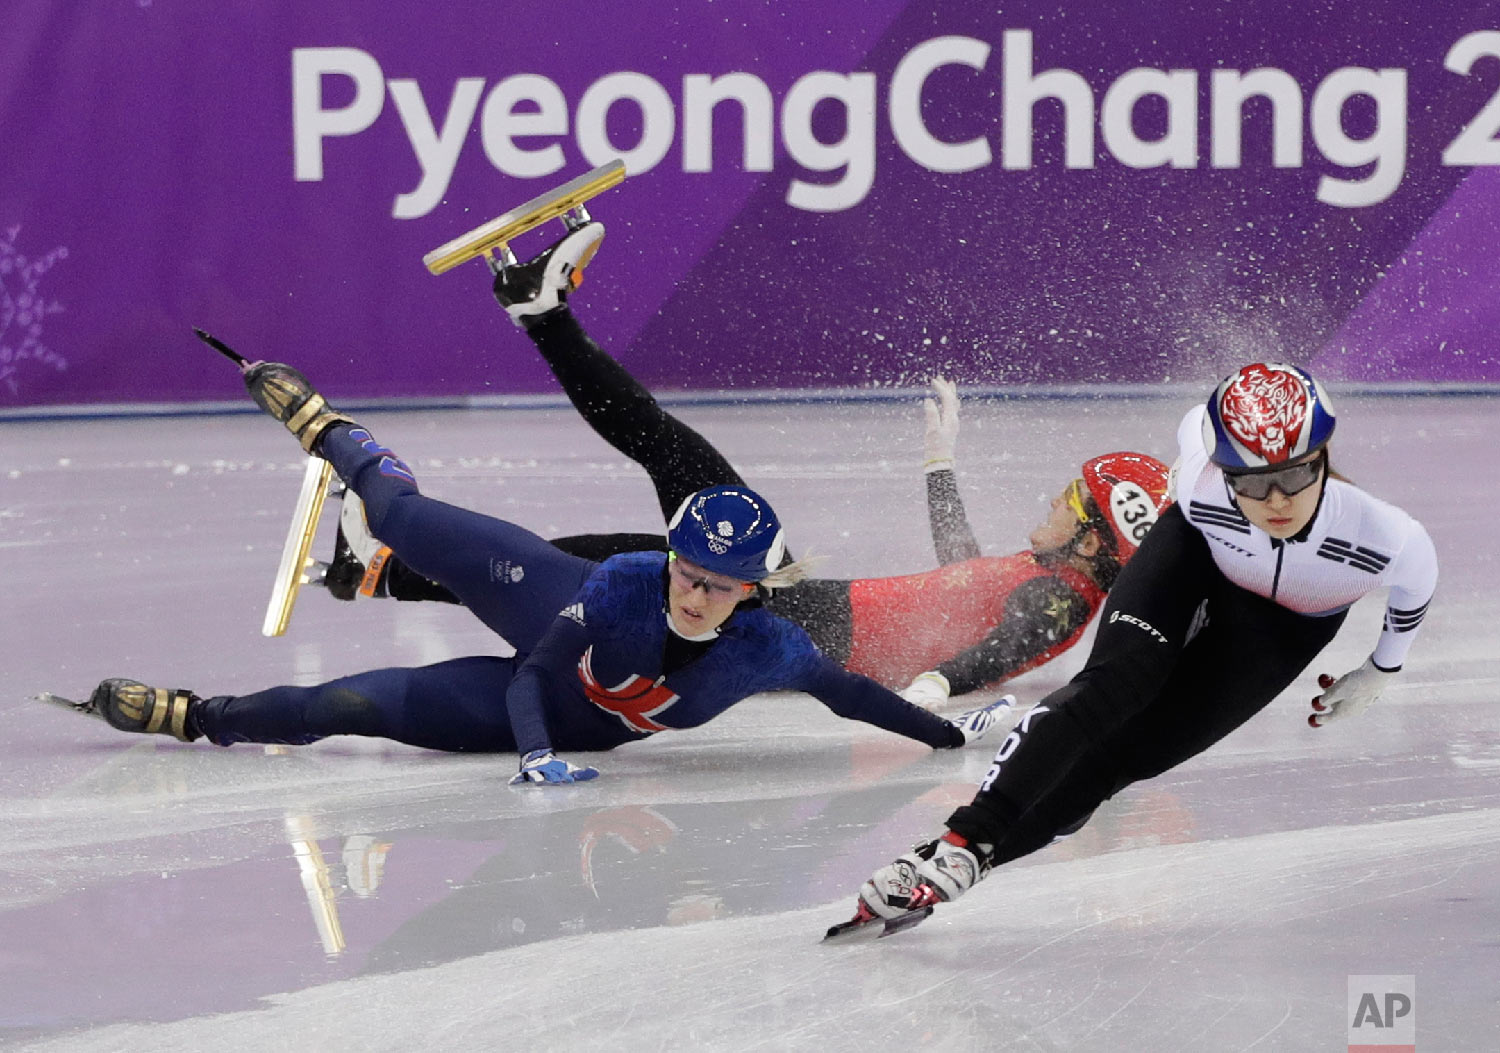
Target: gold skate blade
point(534, 213)
point(290, 575)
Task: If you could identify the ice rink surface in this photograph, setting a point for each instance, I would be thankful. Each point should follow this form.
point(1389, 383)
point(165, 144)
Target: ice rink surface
point(361, 895)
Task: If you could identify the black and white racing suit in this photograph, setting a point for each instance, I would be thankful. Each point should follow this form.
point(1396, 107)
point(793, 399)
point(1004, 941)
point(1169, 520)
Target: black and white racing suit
point(1208, 622)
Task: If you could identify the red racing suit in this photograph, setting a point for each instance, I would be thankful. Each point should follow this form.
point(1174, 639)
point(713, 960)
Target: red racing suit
point(976, 621)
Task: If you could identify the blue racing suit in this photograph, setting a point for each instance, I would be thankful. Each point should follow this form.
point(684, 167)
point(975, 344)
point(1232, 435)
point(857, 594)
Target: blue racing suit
point(591, 640)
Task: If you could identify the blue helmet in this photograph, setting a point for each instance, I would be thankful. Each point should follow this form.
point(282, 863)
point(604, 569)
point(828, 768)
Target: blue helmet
point(730, 530)
point(1264, 416)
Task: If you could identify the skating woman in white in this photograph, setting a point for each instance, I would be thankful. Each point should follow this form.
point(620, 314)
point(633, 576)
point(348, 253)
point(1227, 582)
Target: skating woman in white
point(1231, 595)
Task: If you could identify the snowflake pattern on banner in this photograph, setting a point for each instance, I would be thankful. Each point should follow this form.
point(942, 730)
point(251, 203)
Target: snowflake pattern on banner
point(23, 308)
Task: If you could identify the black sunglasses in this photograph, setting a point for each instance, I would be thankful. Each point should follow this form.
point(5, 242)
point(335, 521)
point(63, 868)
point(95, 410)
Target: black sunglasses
point(1291, 481)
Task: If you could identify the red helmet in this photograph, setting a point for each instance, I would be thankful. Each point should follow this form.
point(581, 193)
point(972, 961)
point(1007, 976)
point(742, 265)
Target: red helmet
point(1130, 490)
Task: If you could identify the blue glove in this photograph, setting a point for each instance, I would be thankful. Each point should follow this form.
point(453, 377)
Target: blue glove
point(544, 766)
point(976, 722)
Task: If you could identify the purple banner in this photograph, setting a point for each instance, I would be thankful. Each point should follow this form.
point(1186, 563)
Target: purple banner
point(1086, 195)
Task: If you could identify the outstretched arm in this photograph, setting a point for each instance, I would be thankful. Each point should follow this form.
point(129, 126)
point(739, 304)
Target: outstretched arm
point(860, 698)
point(951, 536)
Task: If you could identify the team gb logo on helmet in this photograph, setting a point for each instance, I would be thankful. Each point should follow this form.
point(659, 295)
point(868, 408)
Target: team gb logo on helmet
point(1265, 409)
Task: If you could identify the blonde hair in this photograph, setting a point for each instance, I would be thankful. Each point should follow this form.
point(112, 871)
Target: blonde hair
point(788, 574)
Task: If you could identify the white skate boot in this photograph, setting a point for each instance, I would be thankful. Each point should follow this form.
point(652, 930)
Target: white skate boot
point(359, 557)
point(529, 291)
point(905, 891)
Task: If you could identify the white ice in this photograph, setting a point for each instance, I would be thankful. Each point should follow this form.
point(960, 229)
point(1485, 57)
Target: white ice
point(364, 895)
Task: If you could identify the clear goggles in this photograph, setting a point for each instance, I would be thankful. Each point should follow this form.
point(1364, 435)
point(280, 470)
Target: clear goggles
point(689, 576)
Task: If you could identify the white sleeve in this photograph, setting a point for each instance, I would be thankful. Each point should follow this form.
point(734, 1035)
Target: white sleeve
point(1414, 574)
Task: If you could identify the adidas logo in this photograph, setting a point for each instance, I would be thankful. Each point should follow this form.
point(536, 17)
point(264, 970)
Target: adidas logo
point(573, 612)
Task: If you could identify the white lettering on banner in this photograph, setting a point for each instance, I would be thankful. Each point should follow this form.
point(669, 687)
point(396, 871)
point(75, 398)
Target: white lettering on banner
point(658, 121)
point(1179, 146)
point(437, 152)
point(500, 125)
point(311, 123)
point(701, 93)
point(1020, 91)
point(1230, 90)
point(1386, 148)
point(1479, 142)
point(854, 153)
point(532, 108)
point(907, 83)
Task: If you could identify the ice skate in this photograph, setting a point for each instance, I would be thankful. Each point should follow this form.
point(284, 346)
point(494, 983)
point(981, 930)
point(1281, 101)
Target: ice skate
point(288, 396)
point(129, 705)
point(359, 560)
point(565, 202)
point(905, 891)
point(282, 392)
point(532, 290)
point(297, 568)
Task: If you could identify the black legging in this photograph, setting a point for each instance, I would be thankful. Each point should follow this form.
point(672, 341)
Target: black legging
point(679, 462)
point(623, 413)
point(1161, 685)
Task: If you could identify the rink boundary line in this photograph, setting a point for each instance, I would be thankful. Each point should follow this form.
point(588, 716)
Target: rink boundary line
point(749, 397)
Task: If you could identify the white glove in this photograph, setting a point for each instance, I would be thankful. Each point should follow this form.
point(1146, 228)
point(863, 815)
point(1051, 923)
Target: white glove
point(977, 722)
point(544, 766)
point(929, 690)
point(941, 436)
point(1349, 695)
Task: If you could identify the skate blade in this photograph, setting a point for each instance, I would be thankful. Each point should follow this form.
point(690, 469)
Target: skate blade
point(498, 231)
point(858, 927)
point(58, 700)
point(292, 572)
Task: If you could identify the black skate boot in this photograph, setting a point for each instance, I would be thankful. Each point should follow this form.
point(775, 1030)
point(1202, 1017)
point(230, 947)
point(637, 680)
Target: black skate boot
point(360, 561)
point(130, 705)
point(287, 395)
point(530, 291)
